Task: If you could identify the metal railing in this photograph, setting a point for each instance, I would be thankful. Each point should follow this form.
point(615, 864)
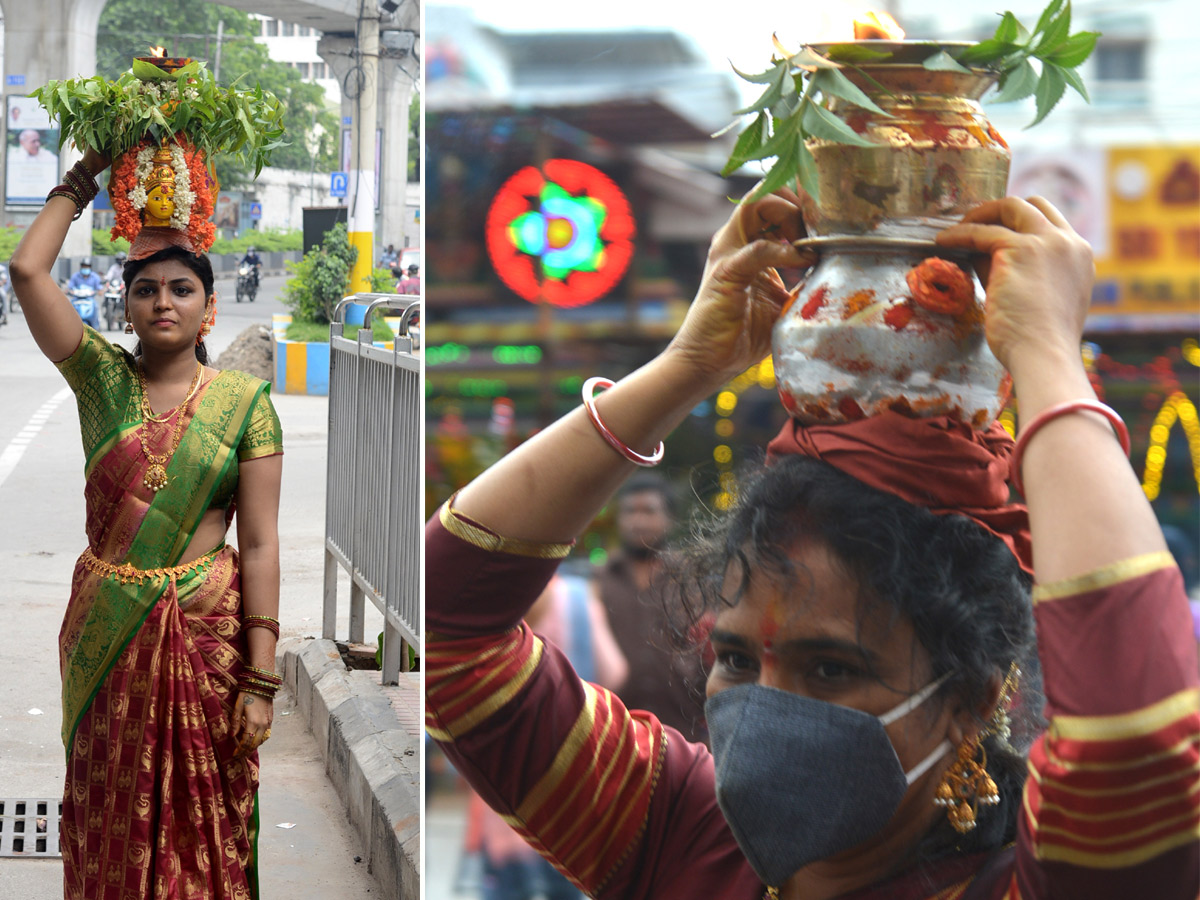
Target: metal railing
point(373, 487)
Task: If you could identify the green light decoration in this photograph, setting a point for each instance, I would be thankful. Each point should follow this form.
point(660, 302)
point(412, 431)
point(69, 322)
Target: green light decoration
point(517, 354)
point(442, 354)
point(565, 233)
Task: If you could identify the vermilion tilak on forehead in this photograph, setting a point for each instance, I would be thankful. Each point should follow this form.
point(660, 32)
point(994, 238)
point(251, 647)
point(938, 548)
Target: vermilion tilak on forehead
point(162, 280)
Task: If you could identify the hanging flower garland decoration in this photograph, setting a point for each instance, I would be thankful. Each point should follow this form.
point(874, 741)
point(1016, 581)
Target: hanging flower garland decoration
point(174, 104)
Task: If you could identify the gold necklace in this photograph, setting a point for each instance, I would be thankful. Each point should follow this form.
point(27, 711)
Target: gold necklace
point(156, 474)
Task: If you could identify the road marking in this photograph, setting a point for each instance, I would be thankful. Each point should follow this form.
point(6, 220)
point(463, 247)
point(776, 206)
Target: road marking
point(16, 447)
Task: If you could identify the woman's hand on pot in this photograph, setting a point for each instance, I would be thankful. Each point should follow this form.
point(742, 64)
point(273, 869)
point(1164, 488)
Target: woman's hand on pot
point(728, 326)
point(251, 721)
point(1038, 277)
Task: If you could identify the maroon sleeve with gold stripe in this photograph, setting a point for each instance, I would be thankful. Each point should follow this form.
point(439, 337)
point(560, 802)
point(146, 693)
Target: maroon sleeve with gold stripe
point(623, 807)
point(1112, 802)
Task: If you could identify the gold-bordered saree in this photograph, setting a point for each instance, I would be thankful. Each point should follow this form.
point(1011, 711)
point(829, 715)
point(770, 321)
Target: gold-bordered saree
point(156, 805)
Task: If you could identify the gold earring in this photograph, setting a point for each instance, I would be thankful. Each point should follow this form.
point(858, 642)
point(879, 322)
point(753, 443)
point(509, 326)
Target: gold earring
point(1001, 724)
point(965, 786)
point(128, 324)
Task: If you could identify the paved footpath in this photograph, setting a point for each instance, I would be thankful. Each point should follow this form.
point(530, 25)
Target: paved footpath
point(41, 535)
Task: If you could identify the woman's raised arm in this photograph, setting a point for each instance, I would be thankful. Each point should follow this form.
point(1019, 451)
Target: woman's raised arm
point(1086, 505)
point(55, 324)
point(552, 486)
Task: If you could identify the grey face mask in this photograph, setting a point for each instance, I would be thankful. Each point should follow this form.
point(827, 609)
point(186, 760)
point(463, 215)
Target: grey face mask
point(800, 779)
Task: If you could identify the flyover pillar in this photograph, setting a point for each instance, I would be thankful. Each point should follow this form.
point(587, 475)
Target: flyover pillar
point(392, 84)
point(364, 95)
point(342, 55)
point(44, 40)
point(395, 96)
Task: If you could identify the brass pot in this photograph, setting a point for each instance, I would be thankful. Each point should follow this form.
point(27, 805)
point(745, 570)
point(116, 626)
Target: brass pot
point(858, 340)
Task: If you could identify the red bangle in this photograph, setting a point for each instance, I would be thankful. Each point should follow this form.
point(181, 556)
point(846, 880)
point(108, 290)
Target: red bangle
point(589, 403)
point(1054, 412)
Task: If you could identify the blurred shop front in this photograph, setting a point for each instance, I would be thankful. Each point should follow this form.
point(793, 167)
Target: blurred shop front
point(571, 196)
point(1139, 207)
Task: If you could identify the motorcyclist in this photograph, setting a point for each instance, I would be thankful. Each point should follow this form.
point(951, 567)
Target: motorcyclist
point(5, 294)
point(87, 278)
point(255, 262)
point(116, 272)
point(411, 282)
point(114, 285)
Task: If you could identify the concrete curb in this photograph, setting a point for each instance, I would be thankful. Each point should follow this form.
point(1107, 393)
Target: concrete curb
point(373, 764)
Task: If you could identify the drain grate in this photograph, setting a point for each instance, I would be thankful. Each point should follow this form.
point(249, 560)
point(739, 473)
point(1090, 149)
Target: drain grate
point(29, 827)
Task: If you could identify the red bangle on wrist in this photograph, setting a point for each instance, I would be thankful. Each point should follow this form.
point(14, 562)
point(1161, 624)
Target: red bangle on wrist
point(1054, 412)
point(589, 403)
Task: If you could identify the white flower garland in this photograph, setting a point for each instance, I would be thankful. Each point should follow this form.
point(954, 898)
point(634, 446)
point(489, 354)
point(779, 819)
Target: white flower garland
point(184, 196)
point(145, 163)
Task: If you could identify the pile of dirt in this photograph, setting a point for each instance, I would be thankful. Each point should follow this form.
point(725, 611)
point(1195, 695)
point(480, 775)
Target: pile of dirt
point(252, 351)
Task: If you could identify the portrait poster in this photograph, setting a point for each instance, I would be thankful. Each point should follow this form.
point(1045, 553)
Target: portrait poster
point(31, 164)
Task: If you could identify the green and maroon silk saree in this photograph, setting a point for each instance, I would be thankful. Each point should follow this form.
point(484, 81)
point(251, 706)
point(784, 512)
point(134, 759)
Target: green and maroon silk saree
point(156, 804)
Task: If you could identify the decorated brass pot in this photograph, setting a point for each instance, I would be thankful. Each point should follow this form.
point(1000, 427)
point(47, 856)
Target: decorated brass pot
point(886, 320)
point(880, 324)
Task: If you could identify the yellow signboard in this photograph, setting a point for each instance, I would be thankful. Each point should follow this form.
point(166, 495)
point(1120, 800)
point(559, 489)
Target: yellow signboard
point(1152, 263)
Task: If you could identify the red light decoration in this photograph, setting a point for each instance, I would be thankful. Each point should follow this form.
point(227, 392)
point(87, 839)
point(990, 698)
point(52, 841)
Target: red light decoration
point(562, 233)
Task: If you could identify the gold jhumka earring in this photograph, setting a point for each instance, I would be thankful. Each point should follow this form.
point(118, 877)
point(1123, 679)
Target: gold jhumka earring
point(966, 785)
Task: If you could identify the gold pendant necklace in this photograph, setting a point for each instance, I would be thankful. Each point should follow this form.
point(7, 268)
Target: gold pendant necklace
point(156, 475)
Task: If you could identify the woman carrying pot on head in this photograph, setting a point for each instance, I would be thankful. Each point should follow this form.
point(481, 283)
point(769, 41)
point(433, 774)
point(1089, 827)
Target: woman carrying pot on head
point(168, 644)
point(874, 633)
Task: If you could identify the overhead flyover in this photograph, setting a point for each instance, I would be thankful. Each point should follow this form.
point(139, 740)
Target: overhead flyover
point(57, 39)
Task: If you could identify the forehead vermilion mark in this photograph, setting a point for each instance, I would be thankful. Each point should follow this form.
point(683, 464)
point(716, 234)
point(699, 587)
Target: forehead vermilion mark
point(162, 280)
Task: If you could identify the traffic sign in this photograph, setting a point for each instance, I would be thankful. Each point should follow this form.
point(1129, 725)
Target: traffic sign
point(339, 184)
point(256, 210)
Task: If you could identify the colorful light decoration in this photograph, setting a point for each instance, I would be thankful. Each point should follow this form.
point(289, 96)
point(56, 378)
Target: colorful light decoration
point(562, 234)
point(1177, 407)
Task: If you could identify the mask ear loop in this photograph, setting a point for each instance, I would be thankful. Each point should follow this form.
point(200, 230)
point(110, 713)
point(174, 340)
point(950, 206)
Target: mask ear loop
point(904, 709)
point(913, 702)
point(924, 765)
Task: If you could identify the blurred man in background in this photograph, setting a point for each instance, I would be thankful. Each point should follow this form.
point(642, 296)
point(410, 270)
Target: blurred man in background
point(634, 587)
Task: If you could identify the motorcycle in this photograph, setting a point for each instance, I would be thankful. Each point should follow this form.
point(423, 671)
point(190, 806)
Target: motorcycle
point(247, 282)
point(113, 302)
point(83, 298)
point(6, 299)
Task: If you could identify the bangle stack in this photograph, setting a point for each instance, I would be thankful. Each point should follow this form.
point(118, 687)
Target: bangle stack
point(589, 403)
point(268, 622)
point(260, 682)
point(1053, 412)
point(79, 186)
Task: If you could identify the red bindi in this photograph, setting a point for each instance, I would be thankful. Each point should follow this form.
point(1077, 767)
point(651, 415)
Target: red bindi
point(162, 280)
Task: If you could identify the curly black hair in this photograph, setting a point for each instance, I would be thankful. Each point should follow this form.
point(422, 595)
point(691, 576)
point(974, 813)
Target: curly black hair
point(960, 587)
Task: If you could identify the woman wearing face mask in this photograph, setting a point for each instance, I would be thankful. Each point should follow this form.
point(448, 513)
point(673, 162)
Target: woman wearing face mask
point(872, 625)
point(168, 642)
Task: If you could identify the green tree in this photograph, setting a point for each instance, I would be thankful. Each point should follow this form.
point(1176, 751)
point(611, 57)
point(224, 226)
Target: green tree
point(321, 278)
point(188, 28)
